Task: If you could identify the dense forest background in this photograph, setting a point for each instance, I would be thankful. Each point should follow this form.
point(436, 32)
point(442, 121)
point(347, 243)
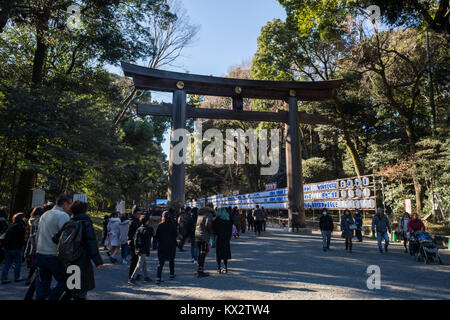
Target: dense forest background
point(67, 124)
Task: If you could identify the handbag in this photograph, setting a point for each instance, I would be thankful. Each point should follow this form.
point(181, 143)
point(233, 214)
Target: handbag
point(353, 227)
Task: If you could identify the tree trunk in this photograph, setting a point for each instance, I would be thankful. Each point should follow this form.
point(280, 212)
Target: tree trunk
point(7, 6)
point(40, 56)
point(13, 188)
point(357, 163)
point(418, 185)
point(27, 180)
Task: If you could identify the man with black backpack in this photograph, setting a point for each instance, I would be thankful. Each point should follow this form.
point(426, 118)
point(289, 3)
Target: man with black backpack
point(258, 218)
point(47, 262)
point(142, 245)
point(78, 246)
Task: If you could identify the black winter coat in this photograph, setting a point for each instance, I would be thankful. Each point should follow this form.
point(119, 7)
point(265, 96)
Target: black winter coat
point(185, 224)
point(326, 223)
point(90, 252)
point(236, 218)
point(166, 240)
point(346, 222)
point(133, 226)
point(143, 240)
point(223, 232)
point(15, 236)
point(194, 224)
point(204, 227)
point(3, 225)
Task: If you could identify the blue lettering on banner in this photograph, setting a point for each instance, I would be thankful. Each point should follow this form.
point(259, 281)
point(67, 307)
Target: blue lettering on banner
point(365, 181)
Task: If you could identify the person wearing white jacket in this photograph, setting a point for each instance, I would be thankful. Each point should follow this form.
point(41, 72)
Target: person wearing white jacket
point(114, 236)
point(47, 262)
point(403, 226)
point(123, 227)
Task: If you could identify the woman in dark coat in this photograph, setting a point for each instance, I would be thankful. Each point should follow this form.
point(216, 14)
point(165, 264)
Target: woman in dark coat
point(13, 244)
point(236, 218)
point(3, 228)
point(165, 240)
point(347, 233)
point(30, 249)
point(90, 252)
point(243, 216)
point(222, 226)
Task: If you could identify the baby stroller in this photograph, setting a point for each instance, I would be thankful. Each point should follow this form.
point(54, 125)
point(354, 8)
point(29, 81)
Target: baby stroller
point(424, 248)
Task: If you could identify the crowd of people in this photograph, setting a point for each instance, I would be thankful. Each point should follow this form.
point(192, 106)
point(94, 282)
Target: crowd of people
point(167, 231)
point(381, 226)
point(36, 238)
point(58, 235)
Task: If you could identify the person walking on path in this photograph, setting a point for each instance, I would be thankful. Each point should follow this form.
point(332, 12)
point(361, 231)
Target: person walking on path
point(13, 242)
point(174, 213)
point(243, 221)
point(222, 227)
point(358, 223)
point(381, 224)
point(142, 245)
point(166, 242)
point(184, 226)
point(105, 231)
point(30, 249)
point(123, 237)
point(48, 264)
point(326, 227)
point(258, 217)
point(132, 228)
point(203, 231)
point(89, 252)
point(3, 228)
point(114, 236)
point(266, 216)
point(194, 248)
point(250, 220)
point(347, 227)
point(403, 227)
point(155, 220)
point(236, 220)
point(415, 224)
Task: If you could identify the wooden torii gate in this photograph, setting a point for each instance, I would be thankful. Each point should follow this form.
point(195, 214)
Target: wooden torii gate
point(289, 91)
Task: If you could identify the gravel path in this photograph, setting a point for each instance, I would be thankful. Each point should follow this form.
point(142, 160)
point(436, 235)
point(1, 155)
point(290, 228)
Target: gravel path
point(281, 266)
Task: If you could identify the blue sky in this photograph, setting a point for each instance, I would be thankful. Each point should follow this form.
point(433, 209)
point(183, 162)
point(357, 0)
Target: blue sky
point(228, 36)
point(228, 32)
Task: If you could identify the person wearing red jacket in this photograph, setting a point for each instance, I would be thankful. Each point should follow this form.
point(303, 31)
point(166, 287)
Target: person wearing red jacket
point(415, 224)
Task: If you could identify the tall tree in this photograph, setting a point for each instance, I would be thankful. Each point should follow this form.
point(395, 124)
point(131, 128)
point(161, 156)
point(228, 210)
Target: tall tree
point(108, 31)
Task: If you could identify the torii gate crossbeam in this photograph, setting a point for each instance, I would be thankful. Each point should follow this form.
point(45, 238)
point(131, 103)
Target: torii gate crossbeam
point(289, 91)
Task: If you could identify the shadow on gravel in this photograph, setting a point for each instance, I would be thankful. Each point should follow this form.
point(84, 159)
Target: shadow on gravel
point(279, 262)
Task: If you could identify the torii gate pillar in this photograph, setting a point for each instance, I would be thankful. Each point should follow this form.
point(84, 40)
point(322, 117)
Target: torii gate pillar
point(177, 171)
point(294, 167)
